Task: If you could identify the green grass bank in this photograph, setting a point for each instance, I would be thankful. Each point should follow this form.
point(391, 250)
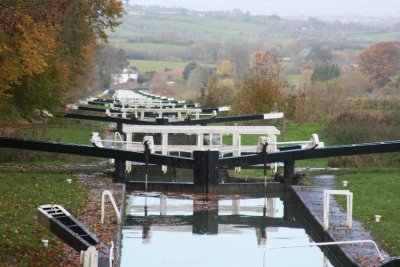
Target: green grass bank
point(21, 192)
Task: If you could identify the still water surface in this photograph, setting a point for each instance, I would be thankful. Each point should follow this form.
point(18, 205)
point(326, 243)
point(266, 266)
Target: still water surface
point(197, 230)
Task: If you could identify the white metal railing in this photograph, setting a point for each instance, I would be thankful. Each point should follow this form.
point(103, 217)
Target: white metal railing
point(121, 142)
point(111, 258)
point(115, 114)
point(117, 135)
point(323, 244)
point(97, 141)
point(349, 211)
point(223, 149)
point(291, 143)
point(109, 194)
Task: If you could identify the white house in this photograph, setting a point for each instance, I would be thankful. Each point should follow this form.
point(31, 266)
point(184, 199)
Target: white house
point(125, 75)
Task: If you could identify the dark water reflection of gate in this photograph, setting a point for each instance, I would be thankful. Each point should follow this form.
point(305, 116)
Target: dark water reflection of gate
point(201, 230)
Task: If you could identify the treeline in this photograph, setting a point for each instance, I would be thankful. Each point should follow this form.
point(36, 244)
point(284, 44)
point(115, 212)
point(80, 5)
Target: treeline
point(46, 50)
point(340, 102)
point(164, 39)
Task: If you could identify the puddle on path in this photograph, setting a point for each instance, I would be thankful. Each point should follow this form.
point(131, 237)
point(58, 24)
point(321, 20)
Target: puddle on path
point(197, 230)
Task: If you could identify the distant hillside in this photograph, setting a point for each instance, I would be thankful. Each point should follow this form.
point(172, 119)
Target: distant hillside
point(176, 34)
point(354, 8)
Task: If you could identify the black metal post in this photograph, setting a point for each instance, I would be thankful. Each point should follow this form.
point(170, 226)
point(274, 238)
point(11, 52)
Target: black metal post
point(264, 152)
point(205, 170)
point(120, 174)
point(162, 121)
point(146, 162)
point(119, 127)
point(205, 221)
point(288, 210)
point(288, 171)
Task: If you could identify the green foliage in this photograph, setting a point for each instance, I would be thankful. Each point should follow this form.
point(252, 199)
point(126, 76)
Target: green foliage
point(21, 193)
point(319, 54)
point(37, 93)
point(375, 192)
point(146, 76)
point(189, 68)
point(324, 72)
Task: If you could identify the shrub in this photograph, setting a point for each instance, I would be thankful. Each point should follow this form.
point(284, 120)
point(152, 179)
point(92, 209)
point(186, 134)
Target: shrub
point(360, 127)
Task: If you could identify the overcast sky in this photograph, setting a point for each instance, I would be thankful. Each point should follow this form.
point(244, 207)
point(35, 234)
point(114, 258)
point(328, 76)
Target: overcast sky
point(288, 7)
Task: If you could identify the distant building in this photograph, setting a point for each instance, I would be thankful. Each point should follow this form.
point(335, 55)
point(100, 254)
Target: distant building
point(130, 73)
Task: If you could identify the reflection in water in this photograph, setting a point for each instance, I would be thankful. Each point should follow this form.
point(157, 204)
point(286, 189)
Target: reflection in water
point(193, 230)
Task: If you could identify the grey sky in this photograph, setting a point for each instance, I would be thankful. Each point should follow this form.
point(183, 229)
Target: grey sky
point(289, 7)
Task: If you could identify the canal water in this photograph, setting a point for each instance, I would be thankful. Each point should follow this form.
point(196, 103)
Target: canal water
point(184, 230)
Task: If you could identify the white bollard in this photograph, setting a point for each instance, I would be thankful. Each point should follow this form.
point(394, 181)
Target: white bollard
point(90, 257)
point(45, 242)
point(69, 180)
point(378, 218)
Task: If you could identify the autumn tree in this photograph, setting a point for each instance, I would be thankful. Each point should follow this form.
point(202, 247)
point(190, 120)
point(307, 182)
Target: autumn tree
point(47, 47)
point(226, 69)
point(262, 89)
point(220, 88)
point(380, 62)
point(208, 92)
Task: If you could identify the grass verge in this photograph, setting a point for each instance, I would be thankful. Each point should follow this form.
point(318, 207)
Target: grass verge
point(21, 192)
point(58, 130)
point(160, 66)
point(376, 191)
